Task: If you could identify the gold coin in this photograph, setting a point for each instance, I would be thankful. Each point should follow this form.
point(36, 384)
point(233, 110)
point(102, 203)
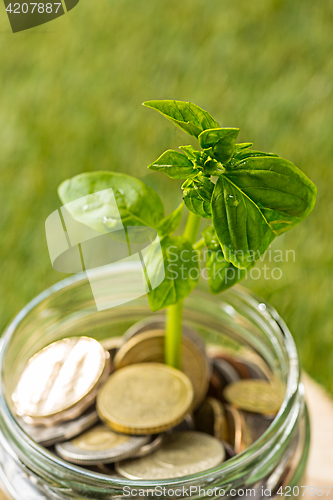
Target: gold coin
point(149, 347)
point(182, 454)
point(210, 418)
point(157, 322)
point(59, 377)
point(239, 435)
point(145, 398)
point(258, 396)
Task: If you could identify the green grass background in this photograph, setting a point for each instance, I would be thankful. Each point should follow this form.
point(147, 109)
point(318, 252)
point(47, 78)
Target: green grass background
point(70, 101)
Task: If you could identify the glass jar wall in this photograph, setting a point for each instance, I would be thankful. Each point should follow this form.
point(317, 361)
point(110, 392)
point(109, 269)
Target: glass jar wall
point(236, 320)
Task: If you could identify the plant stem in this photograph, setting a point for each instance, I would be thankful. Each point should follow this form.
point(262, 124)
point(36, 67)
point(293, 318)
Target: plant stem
point(173, 334)
point(199, 245)
point(192, 227)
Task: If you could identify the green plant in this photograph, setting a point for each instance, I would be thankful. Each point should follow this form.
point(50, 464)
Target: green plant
point(250, 196)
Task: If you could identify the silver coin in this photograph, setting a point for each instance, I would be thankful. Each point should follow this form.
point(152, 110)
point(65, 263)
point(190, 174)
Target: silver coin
point(111, 344)
point(48, 436)
point(226, 371)
point(255, 371)
point(230, 452)
point(100, 445)
point(149, 448)
point(108, 470)
point(61, 381)
point(186, 425)
point(76, 411)
point(257, 423)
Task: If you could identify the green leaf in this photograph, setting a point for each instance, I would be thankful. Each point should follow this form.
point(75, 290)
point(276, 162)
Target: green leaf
point(221, 274)
point(242, 230)
point(282, 192)
point(257, 200)
point(191, 153)
point(224, 148)
point(133, 203)
point(242, 145)
point(181, 271)
point(213, 167)
point(209, 138)
point(197, 205)
point(174, 164)
point(211, 239)
point(204, 187)
point(248, 153)
point(171, 222)
point(184, 115)
point(197, 196)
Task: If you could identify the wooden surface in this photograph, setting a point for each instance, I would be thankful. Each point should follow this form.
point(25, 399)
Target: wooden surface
point(320, 466)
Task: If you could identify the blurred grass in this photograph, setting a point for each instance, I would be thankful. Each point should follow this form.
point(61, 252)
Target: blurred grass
point(70, 101)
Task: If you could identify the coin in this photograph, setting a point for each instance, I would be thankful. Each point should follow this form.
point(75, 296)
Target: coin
point(253, 395)
point(149, 346)
point(66, 416)
point(229, 450)
point(112, 344)
point(256, 365)
point(158, 323)
point(238, 433)
point(59, 377)
point(216, 385)
point(100, 445)
point(241, 368)
point(150, 447)
point(145, 398)
point(107, 469)
point(226, 371)
point(48, 436)
point(182, 454)
point(247, 363)
point(257, 371)
point(210, 418)
point(257, 423)
point(186, 425)
point(3, 496)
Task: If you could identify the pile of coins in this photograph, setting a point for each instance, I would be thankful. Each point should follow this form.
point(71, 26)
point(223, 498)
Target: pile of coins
point(116, 408)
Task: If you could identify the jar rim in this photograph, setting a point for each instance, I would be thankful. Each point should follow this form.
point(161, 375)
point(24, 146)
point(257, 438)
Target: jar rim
point(250, 455)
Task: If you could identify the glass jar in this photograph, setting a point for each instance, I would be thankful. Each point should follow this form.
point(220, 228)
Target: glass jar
point(236, 319)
